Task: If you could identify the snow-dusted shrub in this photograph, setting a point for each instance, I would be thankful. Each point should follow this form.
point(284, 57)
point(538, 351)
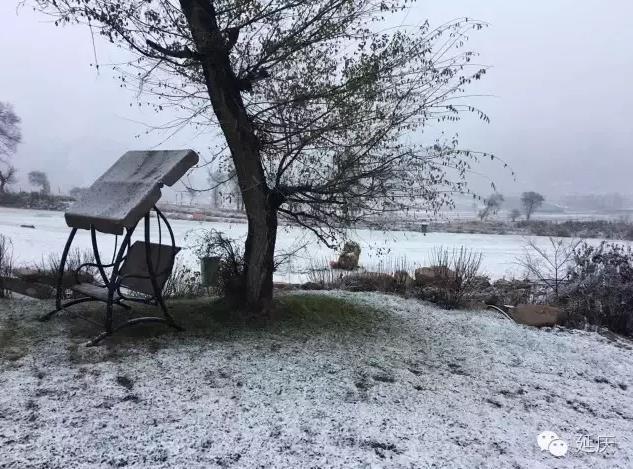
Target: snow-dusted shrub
point(48, 268)
point(322, 276)
point(600, 291)
point(213, 243)
point(388, 275)
point(456, 276)
point(369, 281)
point(183, 282)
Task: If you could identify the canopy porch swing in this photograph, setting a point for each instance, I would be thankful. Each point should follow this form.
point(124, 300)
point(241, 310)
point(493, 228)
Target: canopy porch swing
point(115, 204)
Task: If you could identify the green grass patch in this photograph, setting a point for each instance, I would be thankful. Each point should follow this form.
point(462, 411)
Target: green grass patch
point(15, 339)
point(215, 318)
point(324, 311)
point(208, 319)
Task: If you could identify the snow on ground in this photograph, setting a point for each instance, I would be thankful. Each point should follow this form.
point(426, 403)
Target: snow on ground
point(394, 383)
point(500, 252)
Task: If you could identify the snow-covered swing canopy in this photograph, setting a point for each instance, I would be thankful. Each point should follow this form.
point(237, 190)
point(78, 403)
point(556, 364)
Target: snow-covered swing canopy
point(115, 204)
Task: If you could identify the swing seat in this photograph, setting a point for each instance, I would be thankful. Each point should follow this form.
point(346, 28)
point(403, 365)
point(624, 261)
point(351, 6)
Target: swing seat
point(134, 275)
point(115, 204)
point(96, 292)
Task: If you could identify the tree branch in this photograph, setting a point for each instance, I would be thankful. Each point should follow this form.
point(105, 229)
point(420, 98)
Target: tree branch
point(184, 53)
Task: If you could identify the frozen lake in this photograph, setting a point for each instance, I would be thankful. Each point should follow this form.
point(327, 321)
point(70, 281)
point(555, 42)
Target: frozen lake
point(49, 236)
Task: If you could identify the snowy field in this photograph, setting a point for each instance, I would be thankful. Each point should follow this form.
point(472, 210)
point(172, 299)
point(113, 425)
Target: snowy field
point(393, 383)
point(499, 251)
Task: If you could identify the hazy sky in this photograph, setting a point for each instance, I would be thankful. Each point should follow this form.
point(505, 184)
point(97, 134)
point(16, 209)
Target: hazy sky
point(560, 99)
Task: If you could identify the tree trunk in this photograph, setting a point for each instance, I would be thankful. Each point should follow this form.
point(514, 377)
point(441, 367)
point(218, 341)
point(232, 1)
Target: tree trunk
point(259, 255)
point(226, 99)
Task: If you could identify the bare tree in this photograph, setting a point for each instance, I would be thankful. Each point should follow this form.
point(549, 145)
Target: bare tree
point(7, 177)
point(40, 179)
point(215, 180)
point(77, 192)
point(531, 201)
point(514, 214)
point(235, 194)
point(225, 185)
point(192, 194)
point(313, 98)
point(549, 266)
point(491, 206)
point(10, 137)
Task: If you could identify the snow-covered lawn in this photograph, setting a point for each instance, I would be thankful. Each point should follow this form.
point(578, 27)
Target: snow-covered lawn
point(500, 252)
point(383, 382)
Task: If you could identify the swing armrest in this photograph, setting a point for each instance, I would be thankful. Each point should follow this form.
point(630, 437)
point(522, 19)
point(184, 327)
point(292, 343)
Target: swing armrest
point(77, 271)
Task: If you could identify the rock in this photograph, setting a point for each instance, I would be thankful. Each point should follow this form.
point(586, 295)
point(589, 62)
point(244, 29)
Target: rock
point(536, 315)
point(433, 276)
point(481, 282)
point(402, 278)
point(510, 292)
point(348, 260)
point(369, 281)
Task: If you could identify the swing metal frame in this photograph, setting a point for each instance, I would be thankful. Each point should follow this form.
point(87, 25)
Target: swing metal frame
point(110, 289)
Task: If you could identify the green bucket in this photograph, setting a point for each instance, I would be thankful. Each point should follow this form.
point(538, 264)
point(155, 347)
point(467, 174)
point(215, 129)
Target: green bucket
point(209, 267)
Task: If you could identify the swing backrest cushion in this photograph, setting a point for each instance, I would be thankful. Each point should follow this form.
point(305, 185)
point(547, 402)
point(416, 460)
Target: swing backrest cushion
point(129, 189)
point(134, 270)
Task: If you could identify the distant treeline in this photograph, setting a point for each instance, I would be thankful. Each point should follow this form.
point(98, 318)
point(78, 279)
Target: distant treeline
point(606, 229)
point(603, 229)
point(35, 200)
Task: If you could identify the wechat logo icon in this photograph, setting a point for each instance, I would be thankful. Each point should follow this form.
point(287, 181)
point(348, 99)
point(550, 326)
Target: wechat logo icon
point(550, 441)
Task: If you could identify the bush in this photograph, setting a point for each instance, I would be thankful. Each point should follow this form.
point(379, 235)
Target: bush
point(620, 229)
point(213, 243)
point(455, 276)
point(600, 291)
point(47, 271)
point(183, 282)
point(369, 281)
point(322, 277)
point(6, 262)
point(548, 267)
point(388, 275)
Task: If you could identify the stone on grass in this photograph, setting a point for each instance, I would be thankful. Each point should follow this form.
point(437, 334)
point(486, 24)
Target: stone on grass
point(348, 260)
point(536, 315)
point(433, 276)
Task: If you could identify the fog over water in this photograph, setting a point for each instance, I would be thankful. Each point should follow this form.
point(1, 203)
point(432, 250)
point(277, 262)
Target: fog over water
point(558, 95)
